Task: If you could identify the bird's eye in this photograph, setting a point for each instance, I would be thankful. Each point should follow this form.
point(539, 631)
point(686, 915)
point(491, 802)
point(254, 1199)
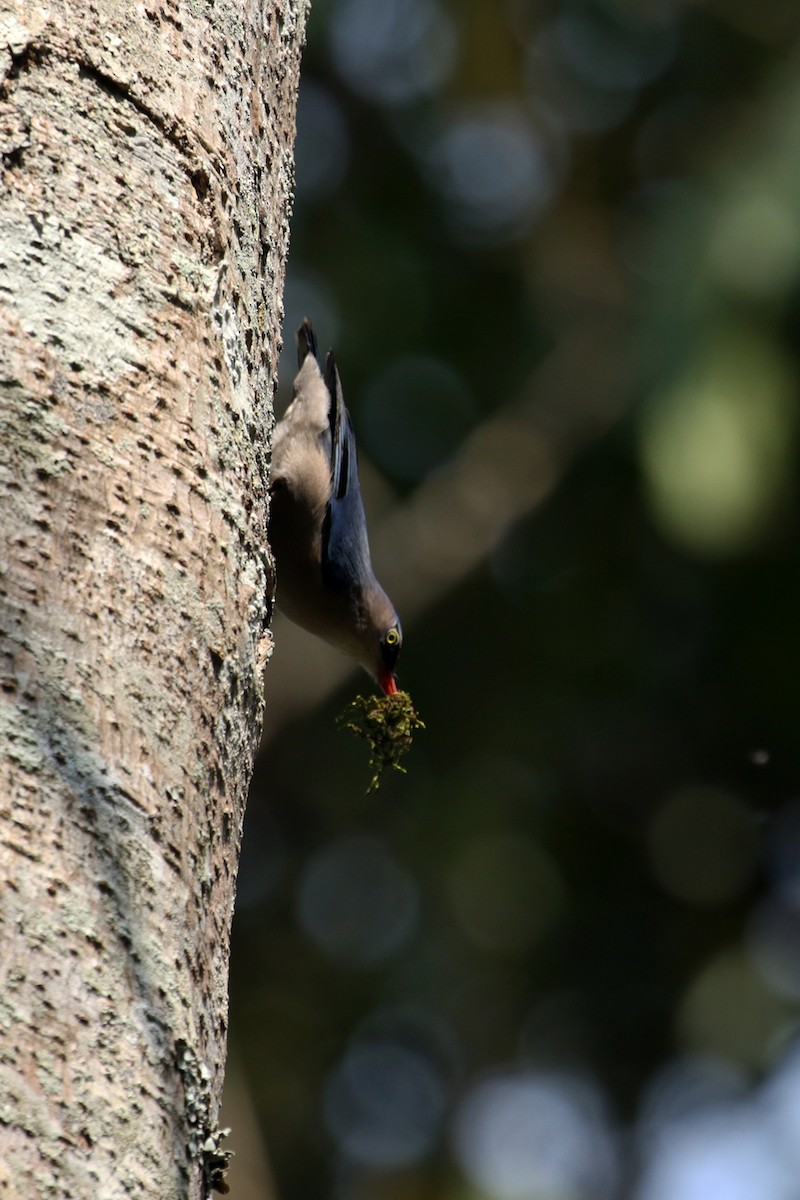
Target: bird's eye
point(390, 646)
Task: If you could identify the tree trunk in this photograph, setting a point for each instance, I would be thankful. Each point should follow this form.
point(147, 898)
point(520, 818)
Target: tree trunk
point(146, 156)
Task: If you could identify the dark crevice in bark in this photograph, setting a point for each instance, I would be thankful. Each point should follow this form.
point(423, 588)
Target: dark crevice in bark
point(121, 91)
point(31, 55)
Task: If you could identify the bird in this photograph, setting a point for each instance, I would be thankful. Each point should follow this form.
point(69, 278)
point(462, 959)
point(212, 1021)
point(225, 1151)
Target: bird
point(318, 527)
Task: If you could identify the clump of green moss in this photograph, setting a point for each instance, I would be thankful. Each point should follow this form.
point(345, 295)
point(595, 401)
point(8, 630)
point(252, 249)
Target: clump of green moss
point(388, 724)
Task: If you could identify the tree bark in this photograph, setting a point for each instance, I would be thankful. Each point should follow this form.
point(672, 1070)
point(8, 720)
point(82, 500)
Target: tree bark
point(146, 153)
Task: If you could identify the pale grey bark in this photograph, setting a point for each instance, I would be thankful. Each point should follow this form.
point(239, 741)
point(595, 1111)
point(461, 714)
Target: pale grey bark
point(146, 153)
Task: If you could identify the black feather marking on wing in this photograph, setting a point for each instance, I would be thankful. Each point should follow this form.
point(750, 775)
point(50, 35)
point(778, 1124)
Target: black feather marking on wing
point(346, 565)
point(343, 453)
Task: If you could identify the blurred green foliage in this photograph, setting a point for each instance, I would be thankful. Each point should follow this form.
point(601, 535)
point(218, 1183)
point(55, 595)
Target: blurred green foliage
point(558, 959)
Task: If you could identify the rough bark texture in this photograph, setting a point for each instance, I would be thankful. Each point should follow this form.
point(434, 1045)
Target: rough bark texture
point(146, 154)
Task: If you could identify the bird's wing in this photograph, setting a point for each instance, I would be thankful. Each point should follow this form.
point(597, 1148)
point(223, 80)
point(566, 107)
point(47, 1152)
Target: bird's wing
point(346, 564)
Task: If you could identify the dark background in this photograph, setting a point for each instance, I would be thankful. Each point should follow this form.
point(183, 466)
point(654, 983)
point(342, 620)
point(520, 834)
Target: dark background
point(557, 248)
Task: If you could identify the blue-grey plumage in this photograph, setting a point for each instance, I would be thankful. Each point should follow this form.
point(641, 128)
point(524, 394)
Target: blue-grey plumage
point(317, 525)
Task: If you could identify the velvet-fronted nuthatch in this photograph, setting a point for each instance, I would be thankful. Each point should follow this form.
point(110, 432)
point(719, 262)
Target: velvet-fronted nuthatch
point(317, 526)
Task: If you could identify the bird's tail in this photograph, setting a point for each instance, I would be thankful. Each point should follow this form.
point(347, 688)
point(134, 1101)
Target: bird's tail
point(306, 342)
